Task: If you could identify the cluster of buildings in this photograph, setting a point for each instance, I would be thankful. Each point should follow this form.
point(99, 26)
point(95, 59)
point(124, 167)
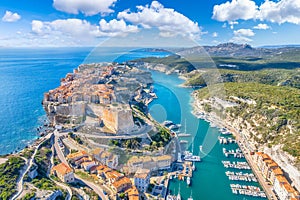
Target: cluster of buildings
point(274, 174)
point(103, 164)
point(84, 85)
point(153, 163)
point(90, 93)
point(99, 156)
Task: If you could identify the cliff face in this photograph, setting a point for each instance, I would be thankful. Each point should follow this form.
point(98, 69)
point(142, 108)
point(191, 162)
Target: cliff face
point(65, 113)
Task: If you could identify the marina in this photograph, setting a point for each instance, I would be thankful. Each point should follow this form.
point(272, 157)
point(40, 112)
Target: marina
point(205, 139)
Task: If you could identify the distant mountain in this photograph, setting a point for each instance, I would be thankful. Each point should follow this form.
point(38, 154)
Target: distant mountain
point(238, 50)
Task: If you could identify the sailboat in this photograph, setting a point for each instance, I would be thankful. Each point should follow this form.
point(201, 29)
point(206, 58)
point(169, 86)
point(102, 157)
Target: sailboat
point(190, 157)
point(178, 195)
point(184, 134)
point(191, 198)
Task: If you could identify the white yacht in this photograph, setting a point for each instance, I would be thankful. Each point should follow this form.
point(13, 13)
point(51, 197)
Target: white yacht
point(188, 180)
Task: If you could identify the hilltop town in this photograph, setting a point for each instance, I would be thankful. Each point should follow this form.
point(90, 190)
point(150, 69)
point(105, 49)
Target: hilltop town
point(98, 95)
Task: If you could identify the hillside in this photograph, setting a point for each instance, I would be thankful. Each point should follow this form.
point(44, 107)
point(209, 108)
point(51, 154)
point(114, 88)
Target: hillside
point(279, 77)
point(268, 115)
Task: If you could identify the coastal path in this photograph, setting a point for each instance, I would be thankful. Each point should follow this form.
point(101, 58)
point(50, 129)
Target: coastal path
point(29, 164)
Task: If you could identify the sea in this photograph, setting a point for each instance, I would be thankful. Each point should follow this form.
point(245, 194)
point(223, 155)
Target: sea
point(25, 75)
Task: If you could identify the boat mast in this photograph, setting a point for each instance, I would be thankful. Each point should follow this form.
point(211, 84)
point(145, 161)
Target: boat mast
point(185, 126)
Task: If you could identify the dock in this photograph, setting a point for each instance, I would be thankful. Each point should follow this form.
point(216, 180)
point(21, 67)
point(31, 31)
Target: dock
point(224, 140)
point(247, 190)
point(239, 176)
point(236, 165)
point(236, 153)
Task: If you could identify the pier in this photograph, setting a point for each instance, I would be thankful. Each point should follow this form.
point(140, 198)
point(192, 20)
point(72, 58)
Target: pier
point(224, 140)
point(239, 176)
point(236, 165)
point(236, 153)
point(248, 190)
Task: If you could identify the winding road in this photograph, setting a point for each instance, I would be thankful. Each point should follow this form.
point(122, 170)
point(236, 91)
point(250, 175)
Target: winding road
point(29, 164)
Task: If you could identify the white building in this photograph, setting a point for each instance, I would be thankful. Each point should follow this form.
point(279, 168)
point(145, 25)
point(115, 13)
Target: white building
point(142, 179)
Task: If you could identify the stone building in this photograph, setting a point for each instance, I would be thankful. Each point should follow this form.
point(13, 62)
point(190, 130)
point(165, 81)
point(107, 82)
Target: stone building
point(64, 173)
point(118, 118)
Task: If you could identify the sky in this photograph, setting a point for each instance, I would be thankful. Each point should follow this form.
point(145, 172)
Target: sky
point(47, 23)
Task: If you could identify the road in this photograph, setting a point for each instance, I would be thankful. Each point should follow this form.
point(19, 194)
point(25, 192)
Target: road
point(62, 158)
point(30, 163)
point(94, 187)
point(140, 135)
point(69, 196)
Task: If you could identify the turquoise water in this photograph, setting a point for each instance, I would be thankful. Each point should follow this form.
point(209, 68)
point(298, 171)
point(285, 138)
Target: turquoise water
point(25, 75)
point(209, 181)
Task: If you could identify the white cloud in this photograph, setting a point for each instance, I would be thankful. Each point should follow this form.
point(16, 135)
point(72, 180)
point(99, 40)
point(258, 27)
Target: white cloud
point(10, 17)
point(240, 39)
point(215, 34)
point(88, 7)
point(244, 32)
point(280, 11)
point(116, 26)
point(37, 26)
point(232, 23)
point(167, 20)
point(242, 36)
point(234, 10)
point(261, 26)
point(82, 29)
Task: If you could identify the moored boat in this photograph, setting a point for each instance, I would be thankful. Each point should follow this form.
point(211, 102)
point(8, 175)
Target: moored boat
point(188, 180)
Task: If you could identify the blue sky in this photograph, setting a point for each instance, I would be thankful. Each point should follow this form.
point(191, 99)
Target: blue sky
point(26, 23)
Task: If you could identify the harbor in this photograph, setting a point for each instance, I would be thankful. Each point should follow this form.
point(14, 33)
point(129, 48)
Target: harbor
point(206, 145)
